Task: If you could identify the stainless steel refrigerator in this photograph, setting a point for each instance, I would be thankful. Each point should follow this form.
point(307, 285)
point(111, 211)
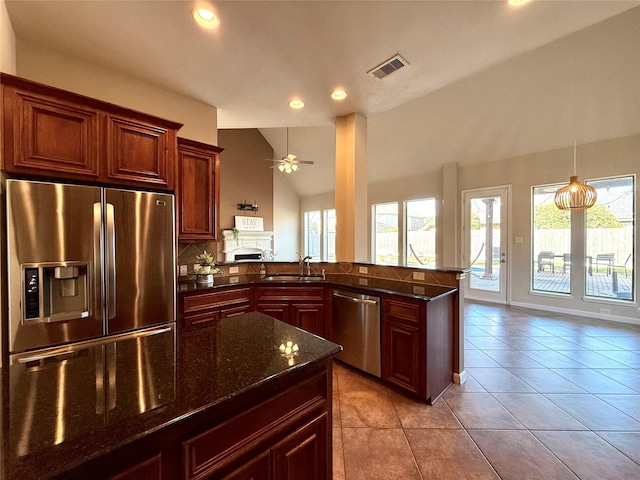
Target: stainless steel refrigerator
point(91, 308)
point(85, 262)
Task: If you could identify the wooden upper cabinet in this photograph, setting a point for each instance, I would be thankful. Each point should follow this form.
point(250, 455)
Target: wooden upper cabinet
point(198, 190)
point(57, 134)
point(44, 135)
point(139, 151)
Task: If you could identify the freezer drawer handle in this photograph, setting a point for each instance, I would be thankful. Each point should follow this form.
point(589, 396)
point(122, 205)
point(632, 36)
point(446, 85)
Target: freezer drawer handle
point(355, 300)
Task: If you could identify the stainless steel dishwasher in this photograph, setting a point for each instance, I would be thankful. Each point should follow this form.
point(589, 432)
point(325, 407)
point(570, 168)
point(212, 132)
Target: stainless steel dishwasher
point(356, 326)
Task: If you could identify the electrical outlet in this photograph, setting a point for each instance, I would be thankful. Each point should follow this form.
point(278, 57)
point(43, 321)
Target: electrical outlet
point(183, 270)
point(233, 270)
point(418, 275)
point(605, 311)
point(363, 269)
point(233, 279)
point(418, 290)
point(363, 281)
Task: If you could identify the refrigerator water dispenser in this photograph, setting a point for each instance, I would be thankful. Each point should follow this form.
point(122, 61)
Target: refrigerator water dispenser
point(56, 292)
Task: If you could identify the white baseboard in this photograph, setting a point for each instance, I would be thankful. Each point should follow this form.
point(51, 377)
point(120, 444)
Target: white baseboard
point(460, 378)
point(577, 313)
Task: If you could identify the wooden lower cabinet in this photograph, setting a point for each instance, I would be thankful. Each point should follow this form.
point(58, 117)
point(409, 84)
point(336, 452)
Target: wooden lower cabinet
point(417, 345)
point(150, 469)
point(284, 437)
point(258, 468)
point(200, 308)
point(303, 454)
point(300, 306)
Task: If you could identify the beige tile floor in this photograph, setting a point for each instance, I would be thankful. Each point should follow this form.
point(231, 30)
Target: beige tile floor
point(549, 396)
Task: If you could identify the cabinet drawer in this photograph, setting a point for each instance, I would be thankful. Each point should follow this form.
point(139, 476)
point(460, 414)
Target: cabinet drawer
point(311, 294)
point(402, 310)
point(198, 303)
point(201, 317)
point(251, 431)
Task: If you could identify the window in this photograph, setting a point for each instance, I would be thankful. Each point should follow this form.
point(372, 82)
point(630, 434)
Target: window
point(385, 239)
point(320, 235)
point(329, 253)
point(609, 240)
point(312, 234)
point(420, 224)
point(551, 240)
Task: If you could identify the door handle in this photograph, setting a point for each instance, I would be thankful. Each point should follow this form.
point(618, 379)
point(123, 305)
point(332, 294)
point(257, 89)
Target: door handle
point(111, 261)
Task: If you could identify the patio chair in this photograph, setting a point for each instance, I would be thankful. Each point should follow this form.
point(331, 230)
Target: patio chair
point(625, 265)
point(546, 257)
point(566, 262)
point(605, 259)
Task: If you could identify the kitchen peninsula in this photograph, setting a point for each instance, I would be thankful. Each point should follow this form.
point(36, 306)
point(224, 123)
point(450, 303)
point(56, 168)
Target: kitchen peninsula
point(246, 394)
point(420, 324)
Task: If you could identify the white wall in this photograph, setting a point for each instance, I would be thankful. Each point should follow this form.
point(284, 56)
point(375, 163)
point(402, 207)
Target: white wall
point(7, 42)
point(51, 68)
point(286, 220)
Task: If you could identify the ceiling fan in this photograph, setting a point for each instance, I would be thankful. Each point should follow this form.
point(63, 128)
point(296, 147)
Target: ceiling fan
point(288, 164)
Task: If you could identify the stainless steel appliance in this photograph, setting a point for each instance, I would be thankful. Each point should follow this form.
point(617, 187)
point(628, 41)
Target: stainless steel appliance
point(356, 326)
point(85, 262)
point(91, 308)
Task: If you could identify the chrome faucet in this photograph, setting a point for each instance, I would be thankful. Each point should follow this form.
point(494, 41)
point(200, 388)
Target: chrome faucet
point(301, 263)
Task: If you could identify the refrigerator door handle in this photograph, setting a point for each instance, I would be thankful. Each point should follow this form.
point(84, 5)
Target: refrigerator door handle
point(111, 261)
point(97, 260)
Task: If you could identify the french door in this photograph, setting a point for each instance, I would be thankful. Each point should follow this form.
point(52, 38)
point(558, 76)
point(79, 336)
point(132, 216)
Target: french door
point(485, 246)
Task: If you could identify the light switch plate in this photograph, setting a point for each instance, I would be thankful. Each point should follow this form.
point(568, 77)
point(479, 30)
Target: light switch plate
point(418, 275)
point(183, 270)
point(233, 270)
point(363, 269)
point(519, 240)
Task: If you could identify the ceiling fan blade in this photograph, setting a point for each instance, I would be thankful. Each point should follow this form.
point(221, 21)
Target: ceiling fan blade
point(306, 162)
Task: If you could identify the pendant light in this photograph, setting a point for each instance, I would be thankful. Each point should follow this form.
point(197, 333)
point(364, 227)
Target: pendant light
point(576, 195)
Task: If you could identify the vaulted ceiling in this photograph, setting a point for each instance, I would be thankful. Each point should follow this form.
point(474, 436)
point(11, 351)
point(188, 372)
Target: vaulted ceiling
point(264, 53)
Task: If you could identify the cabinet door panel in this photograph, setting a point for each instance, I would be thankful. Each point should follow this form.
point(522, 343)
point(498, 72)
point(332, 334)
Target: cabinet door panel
point(53, 136)
point(279, 311)
point(304, 454)
point(400, 362)
point(150, 469)
point(198, 190)
point(256, 469)
point(309, 317)
point(139, 152)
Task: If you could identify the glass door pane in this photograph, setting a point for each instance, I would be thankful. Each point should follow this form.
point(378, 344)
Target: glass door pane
point(486, 244)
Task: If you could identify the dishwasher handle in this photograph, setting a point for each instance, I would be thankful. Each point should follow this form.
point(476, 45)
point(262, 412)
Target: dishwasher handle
point(355, 300)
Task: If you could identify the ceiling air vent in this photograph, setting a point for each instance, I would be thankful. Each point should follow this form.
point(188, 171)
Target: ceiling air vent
point(388, 67)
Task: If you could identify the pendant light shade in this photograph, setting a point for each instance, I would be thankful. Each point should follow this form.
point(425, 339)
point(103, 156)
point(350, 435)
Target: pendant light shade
point(576, 195)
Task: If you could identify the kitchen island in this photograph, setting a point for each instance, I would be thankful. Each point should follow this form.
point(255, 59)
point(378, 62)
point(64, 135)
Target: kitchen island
point(244, 395)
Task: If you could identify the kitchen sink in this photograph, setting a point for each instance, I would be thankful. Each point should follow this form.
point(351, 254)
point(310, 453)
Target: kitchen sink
point(287, 277)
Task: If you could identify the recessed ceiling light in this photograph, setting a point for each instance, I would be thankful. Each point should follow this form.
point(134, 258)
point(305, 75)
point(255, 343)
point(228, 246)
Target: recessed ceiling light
point(205, 17)
point(296, 104)
point(517, 3)
point(338, 94)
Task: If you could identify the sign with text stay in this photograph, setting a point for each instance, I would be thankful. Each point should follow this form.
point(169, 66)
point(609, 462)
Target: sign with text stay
point(249, 224)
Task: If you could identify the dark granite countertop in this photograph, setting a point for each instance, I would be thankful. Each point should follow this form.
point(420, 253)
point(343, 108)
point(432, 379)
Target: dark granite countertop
point(372, 285)
point(49, 421)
